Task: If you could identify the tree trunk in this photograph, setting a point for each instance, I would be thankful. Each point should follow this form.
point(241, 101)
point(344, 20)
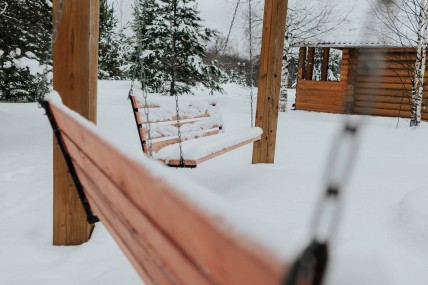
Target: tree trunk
point(284, 79)
point(418, 81)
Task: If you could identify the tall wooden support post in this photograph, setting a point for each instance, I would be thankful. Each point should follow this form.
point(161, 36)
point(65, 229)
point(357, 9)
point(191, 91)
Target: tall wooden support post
point(325, 61)
point(275, 12)
point(75, 68)
point(310, 63)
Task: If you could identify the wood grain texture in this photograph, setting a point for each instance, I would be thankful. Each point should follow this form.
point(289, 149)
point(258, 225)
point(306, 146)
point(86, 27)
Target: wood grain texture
point(168, 239)
point(75, 63)
point(275, 12)
point(385, 95)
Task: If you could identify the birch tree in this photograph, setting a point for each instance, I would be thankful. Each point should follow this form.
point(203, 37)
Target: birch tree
point(405, 23)
point(421, 55)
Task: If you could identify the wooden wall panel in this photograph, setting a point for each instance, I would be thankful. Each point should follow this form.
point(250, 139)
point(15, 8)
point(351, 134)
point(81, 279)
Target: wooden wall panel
point(323, 96)
point(386, 95)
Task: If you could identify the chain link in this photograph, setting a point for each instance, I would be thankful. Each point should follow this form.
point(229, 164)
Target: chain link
point(140, 59)
point(311, 264)
point(49, 53)
point(250, 34)
point(173, 88)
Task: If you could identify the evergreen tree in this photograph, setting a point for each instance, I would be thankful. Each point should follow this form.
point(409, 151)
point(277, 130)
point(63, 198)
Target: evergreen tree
point(24, 39)
point(174, 44)
point(111, 55)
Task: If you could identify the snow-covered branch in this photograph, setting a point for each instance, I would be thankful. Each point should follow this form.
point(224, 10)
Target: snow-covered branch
point(3, 10)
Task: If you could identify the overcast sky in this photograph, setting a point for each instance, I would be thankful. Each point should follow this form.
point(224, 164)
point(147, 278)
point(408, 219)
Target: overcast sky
point(217, 14)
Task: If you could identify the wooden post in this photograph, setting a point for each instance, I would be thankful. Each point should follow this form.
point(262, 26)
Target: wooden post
point(310, 63)
point(275, 12)
point(75, 71)
point(325, 61)
point(301, 67)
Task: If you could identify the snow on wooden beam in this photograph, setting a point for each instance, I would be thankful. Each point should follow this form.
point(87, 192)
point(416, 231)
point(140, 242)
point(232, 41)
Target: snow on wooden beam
point(270, 79)
point(75, 68)
point(169, 238)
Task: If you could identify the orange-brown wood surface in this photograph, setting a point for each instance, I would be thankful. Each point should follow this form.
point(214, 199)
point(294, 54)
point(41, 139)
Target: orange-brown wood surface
point(269, 84)
point(75, 70)
point(167, 238)
point(385, 95)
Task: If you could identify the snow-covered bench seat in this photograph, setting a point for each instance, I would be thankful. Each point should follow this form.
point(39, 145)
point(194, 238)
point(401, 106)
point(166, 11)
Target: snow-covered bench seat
point(172, 231)
point(201, 127)
point(202, 149)
point(198, 118)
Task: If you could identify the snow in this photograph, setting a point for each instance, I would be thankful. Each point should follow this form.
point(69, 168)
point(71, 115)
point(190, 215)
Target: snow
point(383, 234)
point(205, 146)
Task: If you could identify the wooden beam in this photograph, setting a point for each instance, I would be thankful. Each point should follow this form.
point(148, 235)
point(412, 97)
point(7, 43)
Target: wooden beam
point(75, 69)
point(310, 63)
point(325, 61)
point(275, 12)
point(302, 68)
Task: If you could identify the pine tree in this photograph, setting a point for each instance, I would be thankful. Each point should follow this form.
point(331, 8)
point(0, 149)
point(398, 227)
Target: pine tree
point(111, 55)
point(174, 44)
point(24, 39)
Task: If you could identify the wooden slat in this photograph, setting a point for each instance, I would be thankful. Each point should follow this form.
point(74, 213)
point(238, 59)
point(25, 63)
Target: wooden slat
point(221, 255)
point(132, 225)
point(188, 162)
point(383, 99)
point(158, 145)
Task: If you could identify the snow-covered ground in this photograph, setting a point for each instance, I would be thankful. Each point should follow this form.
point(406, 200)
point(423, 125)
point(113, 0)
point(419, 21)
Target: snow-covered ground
point(383, 237)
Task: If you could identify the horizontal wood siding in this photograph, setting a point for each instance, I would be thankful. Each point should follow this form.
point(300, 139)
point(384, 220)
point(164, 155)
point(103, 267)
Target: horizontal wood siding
point(323, 96)
point(390, 93)
point(385, 95)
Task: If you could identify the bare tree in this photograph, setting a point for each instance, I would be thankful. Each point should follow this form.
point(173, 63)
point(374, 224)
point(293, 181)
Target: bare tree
point(405, 23)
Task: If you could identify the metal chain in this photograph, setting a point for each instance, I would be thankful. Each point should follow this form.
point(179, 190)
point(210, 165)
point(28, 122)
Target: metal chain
point(312, 263)
point(143, 78)
point(173, 90)
point(49, 53)
point(231, 25)
point(250, 33)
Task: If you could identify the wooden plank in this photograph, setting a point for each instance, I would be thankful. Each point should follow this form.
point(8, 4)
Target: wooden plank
point(382, 105)
point(225, 257)
point(384, 79)
point(325, 61)
point(310, 63)
point(158, 145)
point(321, 85)
point(133, 226)
point(188, 162)
point(383, 99)
point(75, 62)
point(384, 92)
point(140, 258)
point(336, 108)
point(275, 12)
point(384, 86)
point(302, 66)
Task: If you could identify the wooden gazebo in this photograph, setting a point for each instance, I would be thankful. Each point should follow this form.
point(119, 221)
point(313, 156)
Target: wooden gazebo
point(388, 94)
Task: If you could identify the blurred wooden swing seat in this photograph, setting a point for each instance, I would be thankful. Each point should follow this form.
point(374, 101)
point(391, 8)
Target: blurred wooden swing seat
point(167, 238)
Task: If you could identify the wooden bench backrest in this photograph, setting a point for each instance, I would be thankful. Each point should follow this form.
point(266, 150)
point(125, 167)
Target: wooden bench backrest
point(167, 238)
point(161, 141)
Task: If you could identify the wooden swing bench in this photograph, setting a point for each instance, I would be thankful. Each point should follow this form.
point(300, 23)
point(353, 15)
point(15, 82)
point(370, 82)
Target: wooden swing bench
point(167, 237)
point(202, 132)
